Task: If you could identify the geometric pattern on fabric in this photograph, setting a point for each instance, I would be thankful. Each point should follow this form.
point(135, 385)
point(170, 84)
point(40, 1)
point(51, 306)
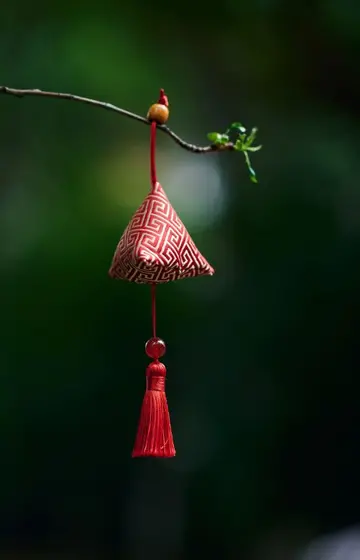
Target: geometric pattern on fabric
point(156, 247)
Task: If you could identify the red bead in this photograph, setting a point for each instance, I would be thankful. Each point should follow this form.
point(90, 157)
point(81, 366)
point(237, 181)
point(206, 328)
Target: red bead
point(155, 348)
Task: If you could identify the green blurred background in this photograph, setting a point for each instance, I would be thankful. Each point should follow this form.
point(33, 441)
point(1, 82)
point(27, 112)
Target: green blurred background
point(262, 359)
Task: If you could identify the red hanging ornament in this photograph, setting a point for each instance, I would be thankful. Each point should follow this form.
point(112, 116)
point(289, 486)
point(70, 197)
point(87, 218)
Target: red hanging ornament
point(156, 248)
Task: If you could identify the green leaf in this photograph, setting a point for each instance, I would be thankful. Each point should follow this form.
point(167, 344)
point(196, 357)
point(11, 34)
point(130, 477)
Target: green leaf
point(238, 126)
point(252, 173)
point(253, 148)
point(239, 145)
point(252, 136)
point(214, 137)
point(224, 139)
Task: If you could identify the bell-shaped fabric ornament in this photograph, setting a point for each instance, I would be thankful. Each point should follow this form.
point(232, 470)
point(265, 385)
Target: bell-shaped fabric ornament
point(156, 248)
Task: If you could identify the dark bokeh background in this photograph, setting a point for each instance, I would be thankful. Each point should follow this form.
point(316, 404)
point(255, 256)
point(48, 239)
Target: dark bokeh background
point(263, 358)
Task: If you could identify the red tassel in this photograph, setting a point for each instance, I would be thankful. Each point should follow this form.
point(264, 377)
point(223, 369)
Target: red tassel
point(154, 436)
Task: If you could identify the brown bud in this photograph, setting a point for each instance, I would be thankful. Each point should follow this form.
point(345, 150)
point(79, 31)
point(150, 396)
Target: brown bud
point(158, 113)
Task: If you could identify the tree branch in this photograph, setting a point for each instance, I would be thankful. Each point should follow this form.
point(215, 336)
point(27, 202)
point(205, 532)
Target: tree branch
point(229, 146)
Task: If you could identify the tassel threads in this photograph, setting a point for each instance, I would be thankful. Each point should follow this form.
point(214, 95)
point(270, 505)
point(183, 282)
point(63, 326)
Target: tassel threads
point(154, 436)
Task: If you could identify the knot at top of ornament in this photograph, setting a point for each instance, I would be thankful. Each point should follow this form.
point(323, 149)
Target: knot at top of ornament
point(159, 112)
point(163, 100)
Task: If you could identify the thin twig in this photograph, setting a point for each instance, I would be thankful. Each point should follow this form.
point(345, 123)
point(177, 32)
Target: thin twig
point(190, 147)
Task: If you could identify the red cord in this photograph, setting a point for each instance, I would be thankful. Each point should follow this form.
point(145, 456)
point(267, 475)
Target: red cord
point(153, 308)
point(153, 178)
point(154, 436)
